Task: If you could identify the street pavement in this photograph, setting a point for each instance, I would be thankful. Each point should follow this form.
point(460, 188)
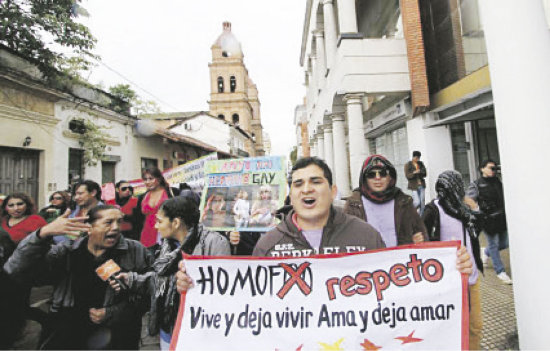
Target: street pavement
point(499, 317)
point(498, 310)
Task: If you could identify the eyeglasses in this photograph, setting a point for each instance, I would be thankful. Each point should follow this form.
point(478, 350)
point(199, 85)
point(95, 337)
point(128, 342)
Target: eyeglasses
point(124, 188)
point(57, 198)
point(493, 168)
point(377, 173)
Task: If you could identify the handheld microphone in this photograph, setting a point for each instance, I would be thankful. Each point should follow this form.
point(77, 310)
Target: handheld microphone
point(107, 273)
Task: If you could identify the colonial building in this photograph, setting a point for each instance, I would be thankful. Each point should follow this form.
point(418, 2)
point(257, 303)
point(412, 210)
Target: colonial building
point(302, 136)
point(233, 95)
point(358, 85)
point(267, 143)
point(390, 77)
point(225, 138)
point(42, 148)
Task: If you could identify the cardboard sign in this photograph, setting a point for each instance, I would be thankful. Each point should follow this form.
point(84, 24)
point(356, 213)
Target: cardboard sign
point(409, 297)
point(107, 192)
point(243, 194)
point(191, 173)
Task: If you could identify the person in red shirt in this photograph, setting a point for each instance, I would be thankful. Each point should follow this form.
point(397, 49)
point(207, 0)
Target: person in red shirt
point(127, 203)
point(19, 218)
point(158, 191)
point(18, 221)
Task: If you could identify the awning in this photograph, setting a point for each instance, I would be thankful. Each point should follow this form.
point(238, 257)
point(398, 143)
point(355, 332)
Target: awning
point(473, 109)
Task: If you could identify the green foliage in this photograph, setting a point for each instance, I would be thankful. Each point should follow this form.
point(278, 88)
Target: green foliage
point(34, 28)
point(145, 107)
point(126, 96)
point(93, 141)
point(123, 92)
point(129, 99)
point(74, 66)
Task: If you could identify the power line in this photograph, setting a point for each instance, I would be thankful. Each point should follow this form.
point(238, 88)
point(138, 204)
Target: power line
point(133, 83)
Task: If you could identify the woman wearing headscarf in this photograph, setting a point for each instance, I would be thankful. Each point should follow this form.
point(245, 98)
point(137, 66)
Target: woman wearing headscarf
point(383, 205)
point(448, 218)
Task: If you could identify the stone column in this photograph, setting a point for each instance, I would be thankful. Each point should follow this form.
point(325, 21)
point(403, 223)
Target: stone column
point(341, 164)
point(329, 150)
point(320, 144)
point(347, 17)
point(518, 62)
point(330, 31)
point(314, 75)
point(313, 144)
point(356, 136)
point(321, 56)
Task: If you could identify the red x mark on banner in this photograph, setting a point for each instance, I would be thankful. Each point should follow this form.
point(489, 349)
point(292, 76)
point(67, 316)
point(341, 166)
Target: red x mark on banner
point(295, 279)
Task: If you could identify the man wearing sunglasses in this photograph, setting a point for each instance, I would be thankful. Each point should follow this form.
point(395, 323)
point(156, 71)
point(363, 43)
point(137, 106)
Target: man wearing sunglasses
point(315, 226)
point(384, 206)
point(125, 200)
point(486, 195)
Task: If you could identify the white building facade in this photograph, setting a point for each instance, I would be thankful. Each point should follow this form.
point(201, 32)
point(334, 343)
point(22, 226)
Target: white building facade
point(356, 69)
point(41, 148)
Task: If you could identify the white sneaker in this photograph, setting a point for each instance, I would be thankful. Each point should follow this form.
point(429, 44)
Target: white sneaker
point(504, 278)
point(484, 257)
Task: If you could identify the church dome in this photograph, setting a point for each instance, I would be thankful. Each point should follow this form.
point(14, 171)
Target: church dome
point(228, 42)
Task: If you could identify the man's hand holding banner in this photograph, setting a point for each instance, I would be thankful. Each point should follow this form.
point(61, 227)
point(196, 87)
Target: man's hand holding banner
point(410, 297)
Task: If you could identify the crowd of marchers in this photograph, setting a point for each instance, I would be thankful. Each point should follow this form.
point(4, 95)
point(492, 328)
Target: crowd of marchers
point(109, 263)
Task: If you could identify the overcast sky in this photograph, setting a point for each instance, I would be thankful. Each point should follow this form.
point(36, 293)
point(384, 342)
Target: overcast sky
point(164, 48)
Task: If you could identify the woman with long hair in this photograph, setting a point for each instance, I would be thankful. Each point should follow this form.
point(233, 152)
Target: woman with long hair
point(18, 221)
point(19, 217)
point(158, 191)
point(177, 222)
point(59, 202)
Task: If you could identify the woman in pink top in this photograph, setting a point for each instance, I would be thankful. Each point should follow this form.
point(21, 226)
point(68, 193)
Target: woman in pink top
point(158, 191)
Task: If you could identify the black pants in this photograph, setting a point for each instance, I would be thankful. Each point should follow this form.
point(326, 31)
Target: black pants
point(65, 331)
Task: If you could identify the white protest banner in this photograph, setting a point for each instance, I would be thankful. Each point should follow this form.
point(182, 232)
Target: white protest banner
point(243, 194)
point(191, 173)
point(407, 298)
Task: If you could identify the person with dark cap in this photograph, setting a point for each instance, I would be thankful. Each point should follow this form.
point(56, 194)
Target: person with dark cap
point(384, 206)
point(415, 171)
point(125, 200)
point(315, 226)
point(449, 218)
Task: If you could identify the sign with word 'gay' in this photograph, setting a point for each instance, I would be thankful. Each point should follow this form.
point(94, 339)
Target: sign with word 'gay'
point(243, 194)
point(411, 297)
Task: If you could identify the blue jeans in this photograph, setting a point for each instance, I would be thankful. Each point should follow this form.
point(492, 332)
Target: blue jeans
point(418, 199)
point(165, 339)
point(496, 243)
